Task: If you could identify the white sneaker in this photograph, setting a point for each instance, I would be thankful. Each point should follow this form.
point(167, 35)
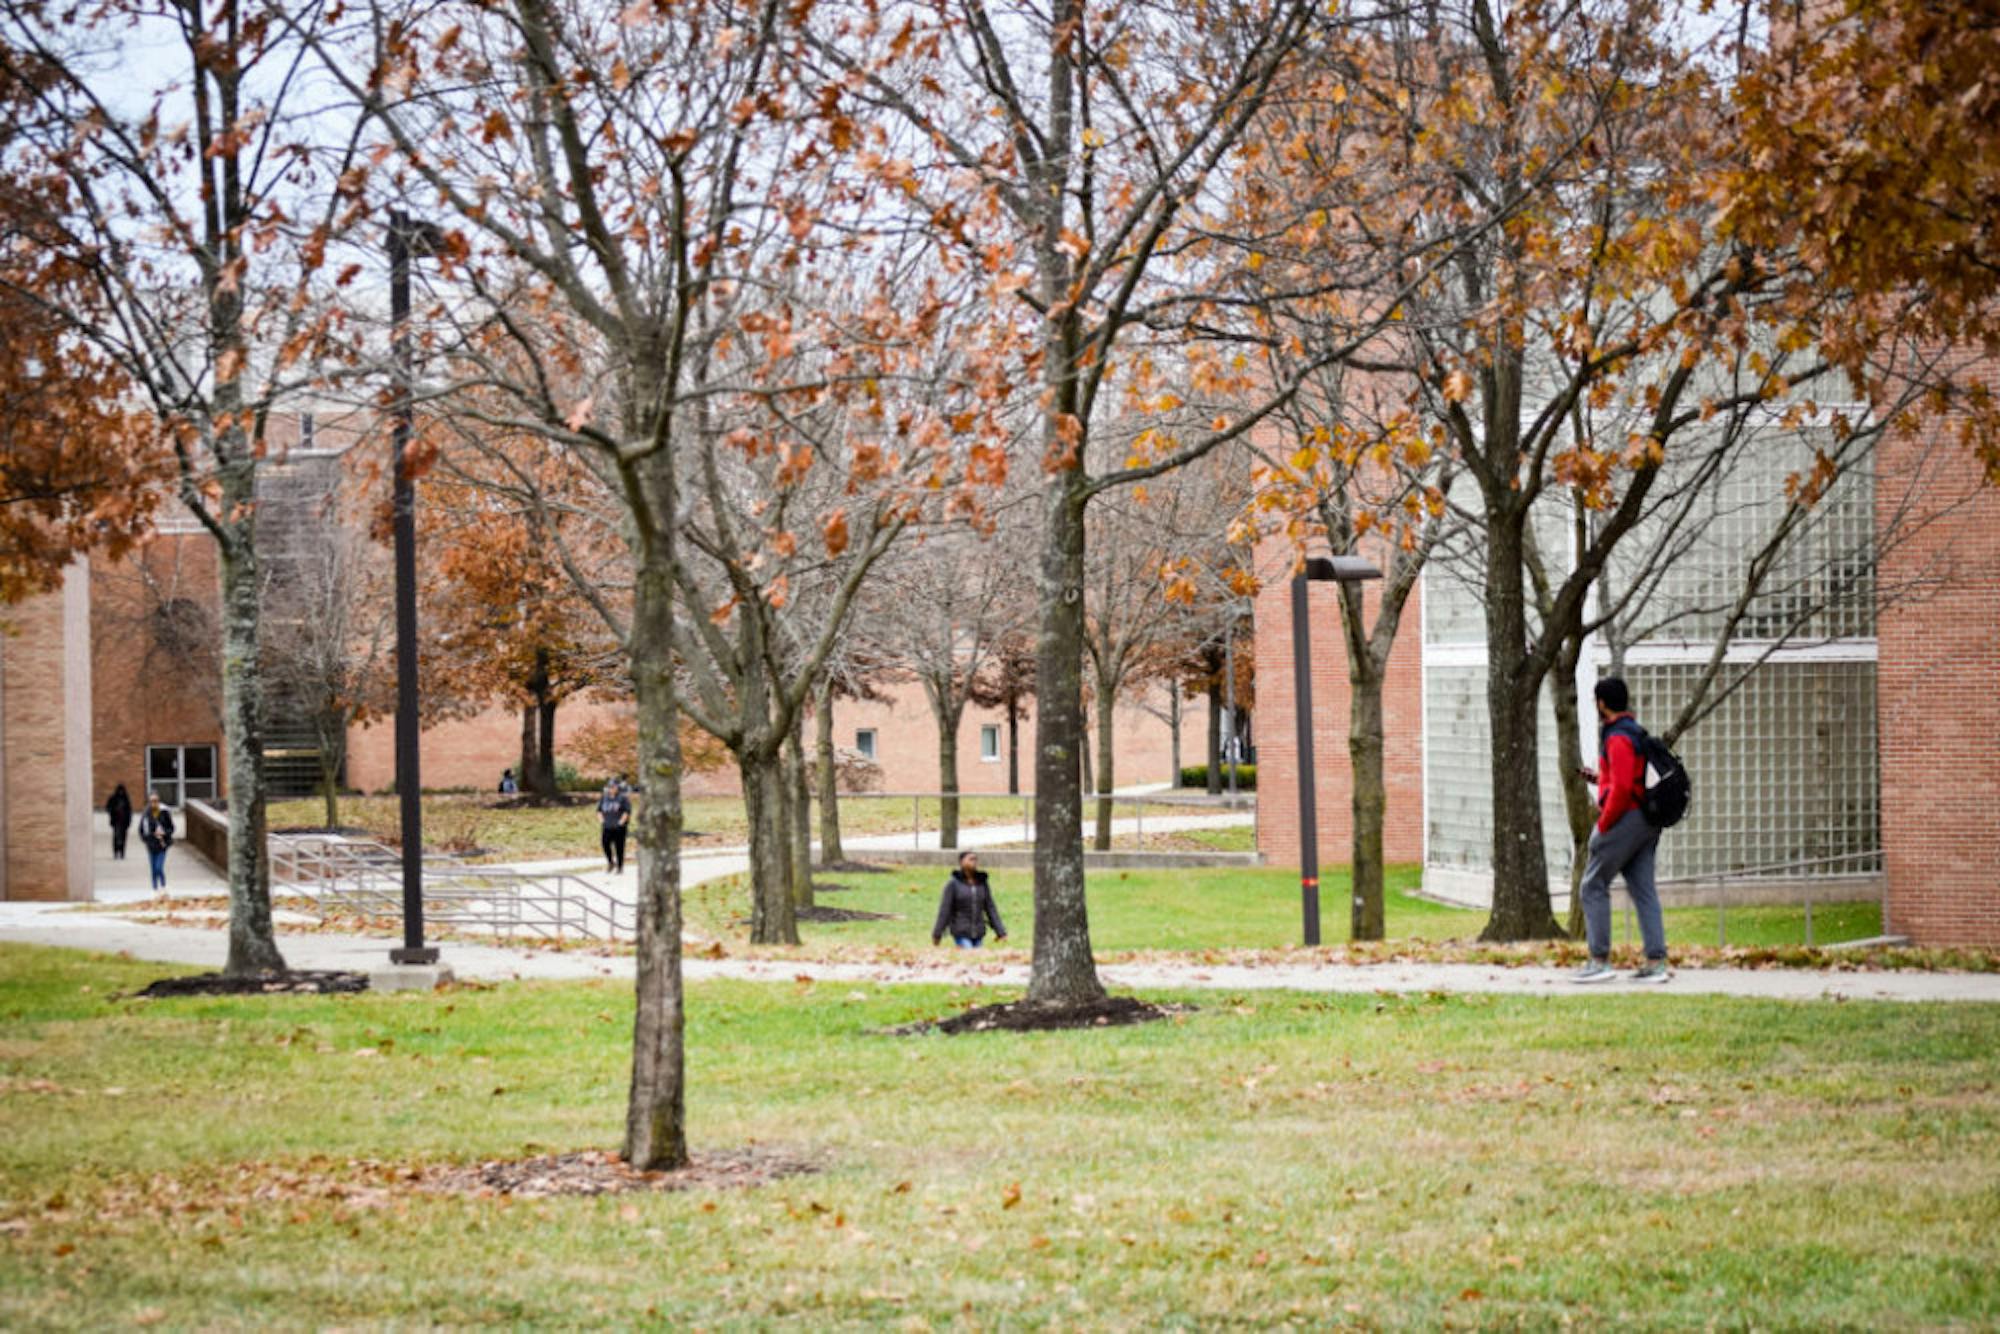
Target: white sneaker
point(1595, 971)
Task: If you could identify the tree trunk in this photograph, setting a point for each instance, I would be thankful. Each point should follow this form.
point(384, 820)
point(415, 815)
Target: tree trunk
point(772, 921)
point(1521, 909)
point(1174, 731)
point(545, 780)
point(1084, 734)
point(949, 719)
point(527, 765)
point(830, 851)
point(252, 948)
point(1107, 719)
point(332, 736)
point(1577, 804)
point(800, 825)
point(1013, 744)
point(656, 1111)
point(1369, 804)
point(538, 733)
point(1063, 971)
point(1214, 782)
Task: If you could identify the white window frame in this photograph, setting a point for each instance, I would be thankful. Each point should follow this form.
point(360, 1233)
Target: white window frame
point(989, 732)
point(865, 742)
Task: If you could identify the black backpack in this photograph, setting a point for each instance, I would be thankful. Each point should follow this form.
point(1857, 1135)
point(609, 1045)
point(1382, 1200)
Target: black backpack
point(1668, 789)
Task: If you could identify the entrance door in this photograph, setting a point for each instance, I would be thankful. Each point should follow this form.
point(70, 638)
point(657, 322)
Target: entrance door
point(178, 773)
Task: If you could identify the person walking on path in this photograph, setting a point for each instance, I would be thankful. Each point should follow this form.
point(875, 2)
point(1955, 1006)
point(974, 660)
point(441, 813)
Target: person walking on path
point(614, 811)
point(156, 831)
point(967, 906)
point(1624, 842)
point(119, 809)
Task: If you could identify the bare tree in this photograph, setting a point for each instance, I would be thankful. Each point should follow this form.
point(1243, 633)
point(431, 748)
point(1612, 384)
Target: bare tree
point(330, 631)
point(940, 613)
point(197, 215)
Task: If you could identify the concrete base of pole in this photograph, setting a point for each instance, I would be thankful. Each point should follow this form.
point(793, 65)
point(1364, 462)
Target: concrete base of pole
point(409, 977)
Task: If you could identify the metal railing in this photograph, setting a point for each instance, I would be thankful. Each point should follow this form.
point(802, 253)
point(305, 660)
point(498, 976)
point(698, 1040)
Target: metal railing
point(367, 877)
point(1819, 871)
point(1027, 800)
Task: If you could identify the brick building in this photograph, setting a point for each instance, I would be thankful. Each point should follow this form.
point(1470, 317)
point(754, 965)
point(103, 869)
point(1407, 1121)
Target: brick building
point(45, 768)
point(1849, 752)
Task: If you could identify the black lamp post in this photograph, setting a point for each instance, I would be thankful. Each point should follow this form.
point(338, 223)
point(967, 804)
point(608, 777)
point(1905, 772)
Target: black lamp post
point(1318, 569)
point(407, 238)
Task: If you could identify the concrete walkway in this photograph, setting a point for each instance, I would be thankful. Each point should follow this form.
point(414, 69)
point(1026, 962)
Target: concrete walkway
point(703, 865)
point(63, 924)
point(204, 946)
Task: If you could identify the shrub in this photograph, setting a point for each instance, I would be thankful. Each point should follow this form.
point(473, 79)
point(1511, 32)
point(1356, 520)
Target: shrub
point(1196, 775)
point(569, 780)
point(610, 745)
point(852, 771)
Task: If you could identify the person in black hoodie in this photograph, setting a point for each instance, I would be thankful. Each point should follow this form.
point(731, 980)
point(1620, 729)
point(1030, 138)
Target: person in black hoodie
point(119, 808)
point(967, 906)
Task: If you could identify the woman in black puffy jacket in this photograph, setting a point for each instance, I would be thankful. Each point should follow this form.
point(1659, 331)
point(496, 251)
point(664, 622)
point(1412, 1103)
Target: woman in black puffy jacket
point(967, 906)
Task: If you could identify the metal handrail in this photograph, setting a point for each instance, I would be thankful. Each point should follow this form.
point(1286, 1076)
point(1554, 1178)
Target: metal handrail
point(364, 874)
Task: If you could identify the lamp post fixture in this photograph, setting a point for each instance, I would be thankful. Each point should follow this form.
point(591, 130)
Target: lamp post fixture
point(1318, 569)
point(408, 238)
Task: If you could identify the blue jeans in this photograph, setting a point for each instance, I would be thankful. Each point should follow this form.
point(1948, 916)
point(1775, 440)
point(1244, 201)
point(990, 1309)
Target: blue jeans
point(159, 863)
point(1627, 848)
point(969, 942)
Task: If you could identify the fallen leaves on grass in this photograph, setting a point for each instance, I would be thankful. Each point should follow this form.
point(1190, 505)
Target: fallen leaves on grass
point(342, 1186)
point(595, 1172)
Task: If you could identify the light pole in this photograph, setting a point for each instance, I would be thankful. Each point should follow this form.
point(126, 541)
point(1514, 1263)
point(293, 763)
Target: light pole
point(408, 238)
point(1318, 569)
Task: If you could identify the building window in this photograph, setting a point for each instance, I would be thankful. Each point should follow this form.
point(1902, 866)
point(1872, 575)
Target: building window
point(864, 741)
point(180, 773)
point(989, 741)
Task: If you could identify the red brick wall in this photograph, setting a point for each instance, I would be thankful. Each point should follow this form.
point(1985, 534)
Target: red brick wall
point(906, 741)
point(139, 696)
point(1939, 661)
point(45, 801)
point(1277, 726)
point(466, 752)
point(471, 752)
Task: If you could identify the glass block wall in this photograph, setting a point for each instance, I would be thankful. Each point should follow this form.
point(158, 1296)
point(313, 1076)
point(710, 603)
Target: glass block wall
point(1785, 769)
point(1458, 784)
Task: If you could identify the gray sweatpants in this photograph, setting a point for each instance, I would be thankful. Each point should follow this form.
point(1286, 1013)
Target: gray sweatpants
point(1626, 847)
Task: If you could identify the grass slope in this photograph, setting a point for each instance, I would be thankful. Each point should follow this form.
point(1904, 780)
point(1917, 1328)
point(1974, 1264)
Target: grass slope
point(1653, 1160)
point(1214, 908)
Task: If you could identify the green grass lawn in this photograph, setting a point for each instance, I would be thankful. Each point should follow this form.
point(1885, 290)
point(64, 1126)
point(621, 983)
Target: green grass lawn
point(479, 826)
point(1648, 1161)
point(1215, 908)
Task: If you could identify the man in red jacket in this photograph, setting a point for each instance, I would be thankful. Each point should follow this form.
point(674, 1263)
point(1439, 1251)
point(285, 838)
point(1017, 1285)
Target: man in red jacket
point(1623, 842)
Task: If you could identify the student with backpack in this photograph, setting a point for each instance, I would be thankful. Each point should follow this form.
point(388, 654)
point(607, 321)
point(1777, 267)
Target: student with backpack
point(156, 832)
point(1641, 789)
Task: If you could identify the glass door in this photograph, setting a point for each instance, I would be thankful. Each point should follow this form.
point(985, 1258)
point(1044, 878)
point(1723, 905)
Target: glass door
point(178, 773)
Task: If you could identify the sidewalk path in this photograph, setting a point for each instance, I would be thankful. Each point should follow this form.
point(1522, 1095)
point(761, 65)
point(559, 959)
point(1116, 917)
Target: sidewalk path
point(119, 883)
point(703, 865)
point(205, 947)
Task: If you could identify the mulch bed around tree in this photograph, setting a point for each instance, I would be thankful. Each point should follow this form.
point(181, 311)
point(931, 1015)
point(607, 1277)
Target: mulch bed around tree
point(1021, 1017)
point(257, 984)
point(596, 1172)
point(853, 868)
point(819, 913)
